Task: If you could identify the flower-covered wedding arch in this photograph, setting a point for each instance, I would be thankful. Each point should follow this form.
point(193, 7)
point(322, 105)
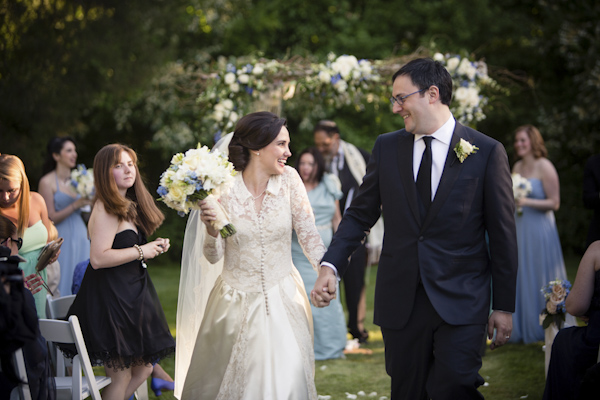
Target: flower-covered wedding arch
point(216, 95)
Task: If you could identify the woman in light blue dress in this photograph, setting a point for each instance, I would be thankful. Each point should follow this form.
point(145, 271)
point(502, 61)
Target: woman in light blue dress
point(540, 253)
point(64, 208)
point(324, 190)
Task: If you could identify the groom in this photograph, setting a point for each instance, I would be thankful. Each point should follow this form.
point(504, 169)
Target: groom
point(437, 273)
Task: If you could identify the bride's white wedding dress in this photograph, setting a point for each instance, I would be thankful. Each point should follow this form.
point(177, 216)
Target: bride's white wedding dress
point(255, 339)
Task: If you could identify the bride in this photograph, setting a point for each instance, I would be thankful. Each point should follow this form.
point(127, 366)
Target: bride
point(255, 337)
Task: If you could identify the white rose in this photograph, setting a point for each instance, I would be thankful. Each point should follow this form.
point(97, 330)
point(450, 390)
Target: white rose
point(324, 77)
point(244, 78)
point(258, 69)
point(341, 86)
point(218, 115)
point(177, 194)
point(234, 87)
point(472, 97)
point(461, 94)
point(438, 57)
point(452, 63)
point(466, 68)
point(227, 104)
point(466, 146)
point(229, 78)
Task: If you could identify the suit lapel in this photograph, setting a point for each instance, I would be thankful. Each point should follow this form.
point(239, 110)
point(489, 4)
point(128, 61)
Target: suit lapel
point(405, 163)
point(452, 168)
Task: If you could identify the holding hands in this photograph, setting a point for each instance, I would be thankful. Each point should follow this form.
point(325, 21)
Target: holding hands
point(325, 288)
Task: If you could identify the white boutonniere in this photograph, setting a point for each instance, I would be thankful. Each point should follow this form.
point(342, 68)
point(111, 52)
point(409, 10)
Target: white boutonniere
point(463, 149)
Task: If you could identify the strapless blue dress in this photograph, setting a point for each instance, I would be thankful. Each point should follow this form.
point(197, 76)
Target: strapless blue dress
point(540, 261)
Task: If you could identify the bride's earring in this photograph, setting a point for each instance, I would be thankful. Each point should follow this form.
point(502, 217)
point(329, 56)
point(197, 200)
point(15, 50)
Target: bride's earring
point(257, 153)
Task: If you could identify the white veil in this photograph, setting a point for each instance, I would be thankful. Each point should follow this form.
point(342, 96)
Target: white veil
point(197, 279)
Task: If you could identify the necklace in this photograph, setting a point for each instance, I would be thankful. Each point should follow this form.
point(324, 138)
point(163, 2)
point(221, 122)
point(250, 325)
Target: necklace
point(257, 197)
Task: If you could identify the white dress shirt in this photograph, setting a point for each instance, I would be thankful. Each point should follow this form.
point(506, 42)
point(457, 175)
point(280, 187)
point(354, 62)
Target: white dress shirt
point(439, 151)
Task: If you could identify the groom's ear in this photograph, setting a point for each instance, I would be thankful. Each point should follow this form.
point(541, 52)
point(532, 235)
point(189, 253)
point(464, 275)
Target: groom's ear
point(433, 92)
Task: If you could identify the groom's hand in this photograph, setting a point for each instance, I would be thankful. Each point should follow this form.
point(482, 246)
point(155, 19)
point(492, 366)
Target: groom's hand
point(325, 287)
point(502, 322)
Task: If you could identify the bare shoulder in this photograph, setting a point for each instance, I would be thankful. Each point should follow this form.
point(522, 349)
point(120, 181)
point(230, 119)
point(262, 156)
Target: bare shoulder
point(594, 252)
point(37, 206)
point(545, 167)
point(37, 201)
point(101, 218)
point(47, 181)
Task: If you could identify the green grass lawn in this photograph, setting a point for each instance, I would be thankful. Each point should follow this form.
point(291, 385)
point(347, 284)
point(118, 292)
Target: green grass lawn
point(514, 371)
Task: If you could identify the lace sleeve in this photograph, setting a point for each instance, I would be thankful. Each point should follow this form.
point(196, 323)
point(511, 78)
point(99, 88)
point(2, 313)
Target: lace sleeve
point(303, 221)
point(214, 248)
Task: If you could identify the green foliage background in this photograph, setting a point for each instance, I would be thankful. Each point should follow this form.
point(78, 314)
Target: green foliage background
point(89, 69)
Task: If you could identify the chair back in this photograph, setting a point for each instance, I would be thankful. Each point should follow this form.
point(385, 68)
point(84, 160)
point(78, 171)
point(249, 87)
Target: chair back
point(59, 307)
point(70, 332)
point(23, 387)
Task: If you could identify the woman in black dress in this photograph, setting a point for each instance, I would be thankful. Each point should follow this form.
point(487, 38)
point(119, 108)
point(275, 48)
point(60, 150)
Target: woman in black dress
point(123, 323)
point(573, 364)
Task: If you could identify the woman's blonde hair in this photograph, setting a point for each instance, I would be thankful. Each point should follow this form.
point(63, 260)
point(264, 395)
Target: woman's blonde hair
point(138, 205)
point(52, 232)
point(538, 148)
point(13, 170)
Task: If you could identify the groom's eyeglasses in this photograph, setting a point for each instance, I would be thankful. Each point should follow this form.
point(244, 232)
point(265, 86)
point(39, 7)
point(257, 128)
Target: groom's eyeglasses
point(400, 100)
point(18, 241)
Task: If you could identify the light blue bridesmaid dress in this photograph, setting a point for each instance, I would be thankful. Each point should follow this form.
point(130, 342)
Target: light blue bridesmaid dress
point(329, 322)
point(76, 245)
point(540, 261)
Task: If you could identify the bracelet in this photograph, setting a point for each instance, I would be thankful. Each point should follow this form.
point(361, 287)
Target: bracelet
point(139, 249)
point(141, 257)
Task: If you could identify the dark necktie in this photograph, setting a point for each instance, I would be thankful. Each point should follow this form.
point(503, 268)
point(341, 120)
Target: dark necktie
point(424, 175)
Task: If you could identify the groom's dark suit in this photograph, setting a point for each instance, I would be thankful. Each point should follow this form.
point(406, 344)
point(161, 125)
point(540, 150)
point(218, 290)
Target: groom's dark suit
point(446, 254)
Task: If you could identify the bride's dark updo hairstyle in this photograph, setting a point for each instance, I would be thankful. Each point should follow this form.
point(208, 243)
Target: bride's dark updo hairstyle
point(253, 132)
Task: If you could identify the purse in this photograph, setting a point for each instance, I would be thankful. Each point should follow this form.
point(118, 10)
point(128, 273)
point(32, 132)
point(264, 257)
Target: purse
point(48, 253)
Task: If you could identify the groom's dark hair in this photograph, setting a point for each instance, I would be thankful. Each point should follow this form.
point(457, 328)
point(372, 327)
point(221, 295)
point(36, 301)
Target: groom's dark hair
point(424, 73)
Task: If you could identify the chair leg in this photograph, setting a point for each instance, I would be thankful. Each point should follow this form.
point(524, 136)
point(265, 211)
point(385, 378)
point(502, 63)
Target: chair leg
point(142, 392)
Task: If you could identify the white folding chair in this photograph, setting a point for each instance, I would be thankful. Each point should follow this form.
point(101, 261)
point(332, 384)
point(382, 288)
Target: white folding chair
point(59, 307)
point(22, 390)
point(74, 387)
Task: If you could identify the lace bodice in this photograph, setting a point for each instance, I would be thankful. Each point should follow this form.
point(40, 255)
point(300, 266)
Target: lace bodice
point(258, 256)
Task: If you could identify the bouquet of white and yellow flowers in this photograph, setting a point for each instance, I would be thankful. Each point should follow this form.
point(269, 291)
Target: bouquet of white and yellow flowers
point(555, 293)
point(198, 174)
point(82, 180)
point(521, 188)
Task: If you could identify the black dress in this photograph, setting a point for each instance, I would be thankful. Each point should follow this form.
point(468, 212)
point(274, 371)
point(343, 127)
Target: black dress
point(121, 318)
point(575, 352)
